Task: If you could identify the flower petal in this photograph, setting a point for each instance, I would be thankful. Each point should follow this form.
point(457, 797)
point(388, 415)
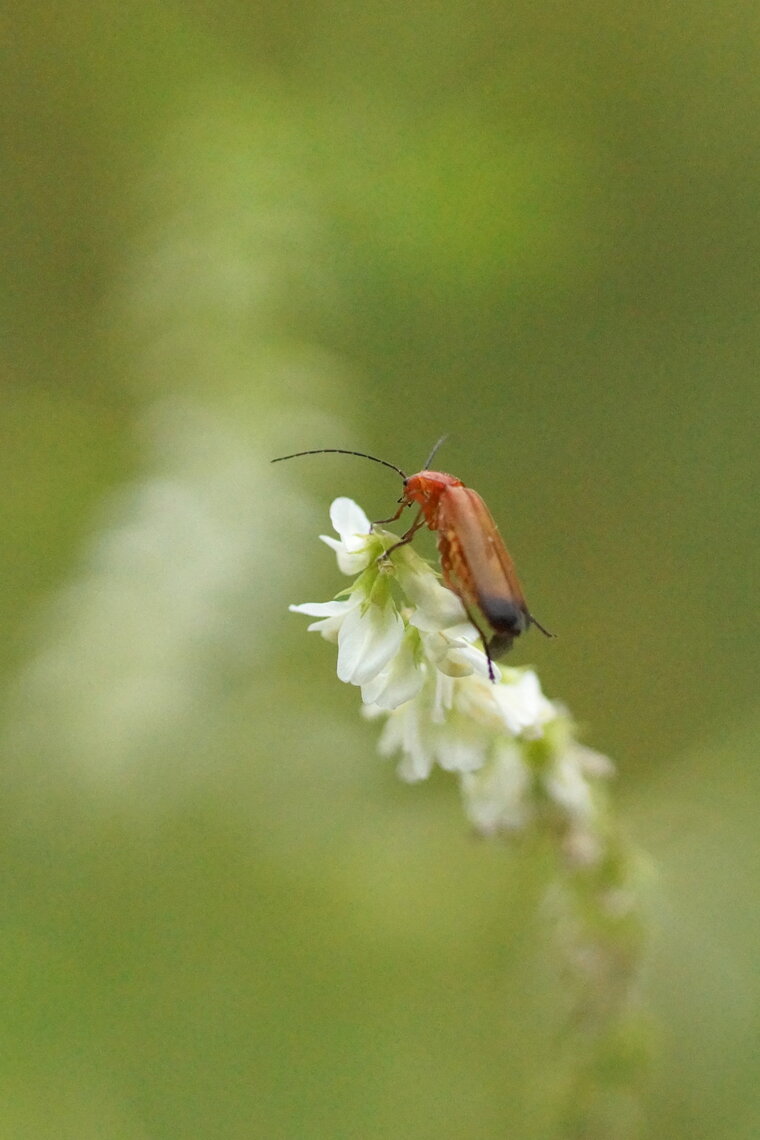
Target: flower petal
point(399, 682)
point(460, 750)
point(348, 519)
point(368, 639)
point(351, 561)
point(323, 609)
point(328, 627)
point(496, 797)
point(567, 787)
point(522, 706)
point(437, 607)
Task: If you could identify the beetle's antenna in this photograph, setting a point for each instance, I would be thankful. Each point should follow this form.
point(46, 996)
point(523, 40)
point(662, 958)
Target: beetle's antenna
point(430, 457)
point(341, 451)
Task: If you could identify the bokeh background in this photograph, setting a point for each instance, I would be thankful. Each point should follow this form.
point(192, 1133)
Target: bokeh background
point(235, 230)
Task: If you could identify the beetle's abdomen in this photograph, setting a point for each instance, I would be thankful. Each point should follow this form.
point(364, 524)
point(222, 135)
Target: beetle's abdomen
point(505, 616)
point(477, 567)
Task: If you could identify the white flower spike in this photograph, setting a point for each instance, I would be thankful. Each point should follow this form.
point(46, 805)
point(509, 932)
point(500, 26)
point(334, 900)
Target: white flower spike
point(405, 641)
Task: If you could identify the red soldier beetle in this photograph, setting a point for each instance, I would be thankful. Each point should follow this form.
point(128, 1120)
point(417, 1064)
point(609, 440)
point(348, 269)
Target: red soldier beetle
point(475, 563)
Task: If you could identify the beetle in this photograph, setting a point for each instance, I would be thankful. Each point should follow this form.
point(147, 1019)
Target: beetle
point(475, 563)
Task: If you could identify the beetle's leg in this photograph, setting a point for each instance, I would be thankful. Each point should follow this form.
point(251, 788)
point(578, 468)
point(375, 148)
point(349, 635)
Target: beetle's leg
point(418, 522)
point(382, 522)
point(545, 632)
point(486, 650)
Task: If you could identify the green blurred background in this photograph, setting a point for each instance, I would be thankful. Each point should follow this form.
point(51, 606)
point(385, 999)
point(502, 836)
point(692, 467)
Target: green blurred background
point(231, 231)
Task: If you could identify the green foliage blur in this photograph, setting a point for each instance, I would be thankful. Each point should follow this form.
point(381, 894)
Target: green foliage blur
point(232, 231)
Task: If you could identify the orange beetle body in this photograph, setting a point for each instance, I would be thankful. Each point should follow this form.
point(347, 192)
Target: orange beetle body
point(475, 563)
